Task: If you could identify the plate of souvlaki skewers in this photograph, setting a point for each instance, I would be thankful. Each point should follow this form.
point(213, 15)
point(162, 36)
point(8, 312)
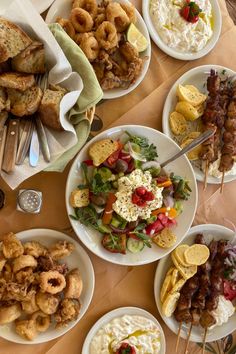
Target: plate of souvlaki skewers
point(195, 286)
point(205, 98)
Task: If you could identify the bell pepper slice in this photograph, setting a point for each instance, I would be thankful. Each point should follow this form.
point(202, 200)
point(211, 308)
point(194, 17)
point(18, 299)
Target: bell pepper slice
point(172, 212)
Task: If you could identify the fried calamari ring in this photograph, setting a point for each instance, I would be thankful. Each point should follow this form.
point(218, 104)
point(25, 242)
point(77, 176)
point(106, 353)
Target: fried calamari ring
point(30, 306)
point(47, 303)
point(74, 285)
point(117, 16)
point(88, 5)
point(52, 282)
point(81, 20)
point(23, 262)
point(25, 276)
point(68, 310)
point(61, 249)
point(35, 249)
point(130, 11)
point(2, 261)
point(100, 18)
point(67, 26)
point(90, 47)
point(26, 329)
point(106, 35)
point(79, 37)
point(42, 321)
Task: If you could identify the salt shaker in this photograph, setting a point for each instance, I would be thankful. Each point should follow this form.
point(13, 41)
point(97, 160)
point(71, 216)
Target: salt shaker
point(29, 201)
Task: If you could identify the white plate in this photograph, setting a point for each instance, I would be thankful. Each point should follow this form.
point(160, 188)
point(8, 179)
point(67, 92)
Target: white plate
point(219, 232)
point(41, 5)
point(78, 259)
point(165, 148)
point(217, 23)
point(197, 77)
point(62, 8)
point(118, 313)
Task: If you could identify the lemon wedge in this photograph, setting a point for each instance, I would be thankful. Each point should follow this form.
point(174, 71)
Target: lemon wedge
point(194, 97)
point(136, 38)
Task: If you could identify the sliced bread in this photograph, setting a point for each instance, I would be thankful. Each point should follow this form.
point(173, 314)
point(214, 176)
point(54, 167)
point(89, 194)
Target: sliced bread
point(17, 80)
point(25, 103)
point(31, 60)
point(4, 101)
point(49, 109)
point(12, 39)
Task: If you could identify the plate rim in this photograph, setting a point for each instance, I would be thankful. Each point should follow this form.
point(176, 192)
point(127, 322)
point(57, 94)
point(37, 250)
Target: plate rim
point(56, 233)
point(165, 113)
point(107, 95)
point(192, 230)
point(112, 130)
point(118, 312)
point(172, 52)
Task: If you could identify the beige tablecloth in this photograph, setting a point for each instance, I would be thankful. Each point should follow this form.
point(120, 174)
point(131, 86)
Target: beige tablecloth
point(118, 286)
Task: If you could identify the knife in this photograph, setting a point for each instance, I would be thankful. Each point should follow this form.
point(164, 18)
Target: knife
point(3, 135)
point(25, 139)
point(43, 139)
point(34, 149)
point(10, 150)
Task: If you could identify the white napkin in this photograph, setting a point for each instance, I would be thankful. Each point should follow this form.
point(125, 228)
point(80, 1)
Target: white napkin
point(23, 13)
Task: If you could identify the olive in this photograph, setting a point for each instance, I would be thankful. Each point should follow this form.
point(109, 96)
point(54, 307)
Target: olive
point(98, 199)
point(121, 165)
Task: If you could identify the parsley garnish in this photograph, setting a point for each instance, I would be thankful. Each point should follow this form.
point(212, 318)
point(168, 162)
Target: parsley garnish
point(97, 185)
point(149, 151)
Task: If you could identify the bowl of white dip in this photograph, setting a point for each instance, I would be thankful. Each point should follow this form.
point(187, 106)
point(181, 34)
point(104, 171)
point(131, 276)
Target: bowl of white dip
point(131, 325)
point(175, 36)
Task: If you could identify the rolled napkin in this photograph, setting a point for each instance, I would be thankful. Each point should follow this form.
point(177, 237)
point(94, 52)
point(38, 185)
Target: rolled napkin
point(89, 97)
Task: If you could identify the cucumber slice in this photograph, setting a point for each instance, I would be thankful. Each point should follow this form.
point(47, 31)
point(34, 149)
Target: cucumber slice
point(104, 229)
point(105, 173)
point(115, 222)
point(135, 246)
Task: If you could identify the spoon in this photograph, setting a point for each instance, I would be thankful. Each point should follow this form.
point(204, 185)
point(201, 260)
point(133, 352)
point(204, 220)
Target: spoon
point(199, 140)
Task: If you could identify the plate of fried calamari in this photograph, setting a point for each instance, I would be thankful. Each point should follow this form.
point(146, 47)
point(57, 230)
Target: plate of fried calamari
point(114, 38)
point(46, 285)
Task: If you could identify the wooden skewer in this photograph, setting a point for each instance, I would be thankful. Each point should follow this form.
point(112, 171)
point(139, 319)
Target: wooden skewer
point(188, 338)
point(222, 182)
point(206, 174)
point(178, 337)
point(204, 341)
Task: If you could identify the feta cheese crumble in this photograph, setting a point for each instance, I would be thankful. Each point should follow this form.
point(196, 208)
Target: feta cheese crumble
point(126, 186)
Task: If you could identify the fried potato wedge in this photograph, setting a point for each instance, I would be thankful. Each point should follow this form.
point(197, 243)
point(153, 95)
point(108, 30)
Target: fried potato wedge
point(187, 110)
point(192, 96)
point(166, 287)
point(178, 286)
point(193, 154)
point(178, 124)
point(170, 304)
point(174, 277)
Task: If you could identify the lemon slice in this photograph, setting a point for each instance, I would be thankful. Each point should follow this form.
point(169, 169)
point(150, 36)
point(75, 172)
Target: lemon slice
point(136, 38)
point(195, 98)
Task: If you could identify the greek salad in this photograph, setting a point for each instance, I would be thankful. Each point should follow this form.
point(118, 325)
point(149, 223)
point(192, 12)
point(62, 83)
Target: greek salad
point(127, 197)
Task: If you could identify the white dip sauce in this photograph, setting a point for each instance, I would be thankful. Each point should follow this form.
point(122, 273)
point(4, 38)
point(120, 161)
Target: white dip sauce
point(175, 31)
point(138, 331)
point(214, 169)
point(124, 207)
point(223, 312)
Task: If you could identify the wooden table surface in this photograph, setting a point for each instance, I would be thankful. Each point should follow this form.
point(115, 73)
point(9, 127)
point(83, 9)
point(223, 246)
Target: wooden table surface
point(231, 5)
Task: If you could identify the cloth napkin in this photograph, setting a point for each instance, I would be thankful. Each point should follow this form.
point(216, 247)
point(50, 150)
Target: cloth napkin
point(89, 97)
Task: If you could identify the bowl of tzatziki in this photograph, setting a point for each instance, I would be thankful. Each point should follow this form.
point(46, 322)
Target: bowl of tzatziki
point(185, 30)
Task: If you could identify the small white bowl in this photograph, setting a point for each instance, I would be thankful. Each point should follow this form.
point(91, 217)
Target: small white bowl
point(119, 312)
point(62, 8)
point(217, 23)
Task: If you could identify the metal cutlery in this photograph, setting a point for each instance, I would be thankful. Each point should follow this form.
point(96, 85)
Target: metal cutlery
point(34, 149)
point(24, 143)
point(10, 150)
point(199, 140)
point(3, 135)
point(42, 139)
